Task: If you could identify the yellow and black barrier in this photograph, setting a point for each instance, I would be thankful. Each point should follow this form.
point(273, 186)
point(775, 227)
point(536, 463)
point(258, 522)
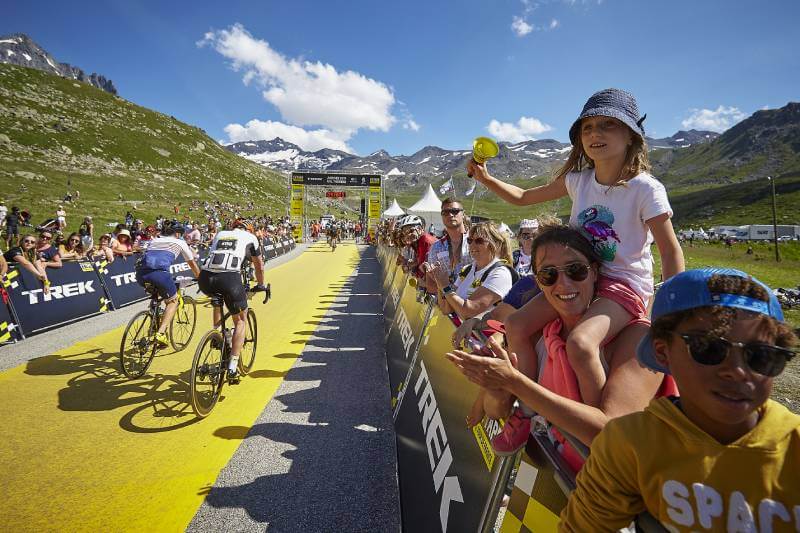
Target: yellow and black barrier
point(449, 477)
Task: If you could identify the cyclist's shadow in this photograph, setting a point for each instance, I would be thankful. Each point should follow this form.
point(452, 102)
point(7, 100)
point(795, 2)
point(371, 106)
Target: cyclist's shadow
point(160, 402)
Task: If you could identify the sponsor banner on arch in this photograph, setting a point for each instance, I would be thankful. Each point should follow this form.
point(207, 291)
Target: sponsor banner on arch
point(75, 293)
point(446, 470)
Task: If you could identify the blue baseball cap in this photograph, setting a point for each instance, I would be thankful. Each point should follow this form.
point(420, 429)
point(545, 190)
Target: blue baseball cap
point(689, 290)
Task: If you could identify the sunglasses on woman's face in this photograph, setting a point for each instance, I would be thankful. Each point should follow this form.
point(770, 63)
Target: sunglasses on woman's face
point(452, 211)
point(548, 276)
point(76, 241)
point(476, 240)
point(526, 236)
point(45, 237)
point(28, 241)
point(765, 359)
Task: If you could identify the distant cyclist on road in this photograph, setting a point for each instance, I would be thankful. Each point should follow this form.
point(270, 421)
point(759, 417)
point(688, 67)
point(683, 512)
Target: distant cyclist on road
point(221, 275)
point(153, 268)
point(333, 235)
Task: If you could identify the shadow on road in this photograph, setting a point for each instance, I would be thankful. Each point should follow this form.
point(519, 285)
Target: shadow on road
point(322, 455)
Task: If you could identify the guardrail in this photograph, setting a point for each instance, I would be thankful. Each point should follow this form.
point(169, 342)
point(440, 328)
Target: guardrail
point(450, 478)
point(81, 289)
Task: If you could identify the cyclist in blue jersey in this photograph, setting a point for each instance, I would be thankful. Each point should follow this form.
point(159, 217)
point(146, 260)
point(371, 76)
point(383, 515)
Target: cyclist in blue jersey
point(153, 268)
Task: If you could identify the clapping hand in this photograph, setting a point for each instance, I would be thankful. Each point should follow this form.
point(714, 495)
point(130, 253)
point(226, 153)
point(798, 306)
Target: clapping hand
point(498, 372)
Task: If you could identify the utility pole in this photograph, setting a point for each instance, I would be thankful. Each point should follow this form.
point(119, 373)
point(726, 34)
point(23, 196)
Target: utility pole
point(774, 219)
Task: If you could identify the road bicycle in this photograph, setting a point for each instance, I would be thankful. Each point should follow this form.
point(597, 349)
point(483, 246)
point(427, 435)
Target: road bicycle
point(138, 346)
point(212, 357)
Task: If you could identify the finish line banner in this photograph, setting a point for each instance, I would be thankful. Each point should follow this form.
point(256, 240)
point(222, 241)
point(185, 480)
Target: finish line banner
point(75, 293)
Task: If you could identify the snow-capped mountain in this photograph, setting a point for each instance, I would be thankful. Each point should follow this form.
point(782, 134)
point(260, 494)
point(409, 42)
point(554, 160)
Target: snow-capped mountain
point(431, 163)
point(19, 49)
point(683, 139)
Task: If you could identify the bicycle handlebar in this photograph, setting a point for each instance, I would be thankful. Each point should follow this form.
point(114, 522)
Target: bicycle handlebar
point(266, 290)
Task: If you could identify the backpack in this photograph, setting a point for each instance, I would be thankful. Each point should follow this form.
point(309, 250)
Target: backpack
point(514, 274)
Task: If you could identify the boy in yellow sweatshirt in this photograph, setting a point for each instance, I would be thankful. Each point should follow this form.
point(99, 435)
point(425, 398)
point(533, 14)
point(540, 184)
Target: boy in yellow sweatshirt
point(723, 456)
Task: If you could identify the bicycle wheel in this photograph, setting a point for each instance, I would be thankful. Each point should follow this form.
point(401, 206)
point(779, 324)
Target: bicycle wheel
point(208, 373)
point(182, 326)
point(248, 356)
point(137, 349)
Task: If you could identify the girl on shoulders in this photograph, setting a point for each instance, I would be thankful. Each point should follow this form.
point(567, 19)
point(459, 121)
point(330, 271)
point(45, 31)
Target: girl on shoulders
point(620, 208)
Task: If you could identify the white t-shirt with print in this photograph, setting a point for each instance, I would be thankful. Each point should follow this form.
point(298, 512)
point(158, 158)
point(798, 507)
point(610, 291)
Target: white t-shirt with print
point(613, 219)
point(498, 281)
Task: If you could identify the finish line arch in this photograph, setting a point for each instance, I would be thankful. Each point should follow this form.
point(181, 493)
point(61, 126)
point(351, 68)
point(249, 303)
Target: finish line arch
point(301, 180)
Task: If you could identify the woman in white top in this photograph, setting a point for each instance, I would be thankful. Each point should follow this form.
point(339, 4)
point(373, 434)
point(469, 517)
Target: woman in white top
point(484, 282)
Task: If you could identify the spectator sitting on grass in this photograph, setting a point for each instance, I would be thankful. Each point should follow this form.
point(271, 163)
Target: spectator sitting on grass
point(721, 457)
point(72, 248)
point(46, 253)
point(25, 256)
point(102, 250)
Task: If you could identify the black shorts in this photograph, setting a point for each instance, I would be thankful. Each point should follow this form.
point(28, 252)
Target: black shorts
point(225, 284)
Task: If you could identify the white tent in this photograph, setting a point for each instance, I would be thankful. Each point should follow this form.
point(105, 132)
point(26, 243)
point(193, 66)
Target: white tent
point(394, 210)
point(429, 207)
point(395, 172)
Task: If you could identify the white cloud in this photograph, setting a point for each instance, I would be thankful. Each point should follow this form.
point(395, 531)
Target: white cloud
point(310, 140)
point(411, 124)
point(520, 27)
point(525, 129)
point(553, 24)
point(306, 93)
point(717, 120)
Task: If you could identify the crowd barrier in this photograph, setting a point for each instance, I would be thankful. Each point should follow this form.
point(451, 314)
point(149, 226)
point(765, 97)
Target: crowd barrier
point(449, 477)
point(81, 289)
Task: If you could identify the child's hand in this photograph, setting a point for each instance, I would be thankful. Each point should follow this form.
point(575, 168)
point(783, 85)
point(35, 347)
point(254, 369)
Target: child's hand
point(477, 171)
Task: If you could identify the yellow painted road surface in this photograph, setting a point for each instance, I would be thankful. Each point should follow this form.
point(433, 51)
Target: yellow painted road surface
point(83, 448)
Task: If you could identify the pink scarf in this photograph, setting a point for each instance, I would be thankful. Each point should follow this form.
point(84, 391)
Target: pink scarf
point(559, 377)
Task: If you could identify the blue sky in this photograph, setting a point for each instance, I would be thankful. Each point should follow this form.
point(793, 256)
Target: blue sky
point(365, 75)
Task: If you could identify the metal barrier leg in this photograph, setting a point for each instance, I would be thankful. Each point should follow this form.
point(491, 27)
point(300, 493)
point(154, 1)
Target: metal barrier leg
point(495, 499)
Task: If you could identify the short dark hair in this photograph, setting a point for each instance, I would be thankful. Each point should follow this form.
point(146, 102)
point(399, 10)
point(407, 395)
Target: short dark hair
point(450, 200)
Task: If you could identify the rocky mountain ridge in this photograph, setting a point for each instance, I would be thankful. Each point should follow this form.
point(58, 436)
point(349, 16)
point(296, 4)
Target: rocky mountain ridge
point(19, 49)
point(432, 163)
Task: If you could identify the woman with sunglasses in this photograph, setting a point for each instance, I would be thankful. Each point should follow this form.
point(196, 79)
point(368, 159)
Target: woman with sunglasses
point(484, 282)
point(102, 250)
point(566, 268)
point(522, 256)
point(24, 255)
point(46, 253)
point(72, 248)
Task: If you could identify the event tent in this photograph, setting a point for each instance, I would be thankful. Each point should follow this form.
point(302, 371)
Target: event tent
point(429, 207)
point(394, 210)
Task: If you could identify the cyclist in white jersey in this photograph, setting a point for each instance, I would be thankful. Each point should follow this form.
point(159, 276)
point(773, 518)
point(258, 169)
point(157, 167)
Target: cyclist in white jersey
point(221, 275)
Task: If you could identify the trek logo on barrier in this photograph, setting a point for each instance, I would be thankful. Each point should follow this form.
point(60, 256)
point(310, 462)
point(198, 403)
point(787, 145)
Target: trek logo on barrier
point(439, 455)
point(406, 335)
point(60, 292)
point(395, 295)
point(130, 277)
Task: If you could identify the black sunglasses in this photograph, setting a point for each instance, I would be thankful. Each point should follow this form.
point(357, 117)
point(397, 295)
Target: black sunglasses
point(476, 240)
point(452, 211)
point(526, 236)
point(548, 276)
point(45, 237)
point(765, 359)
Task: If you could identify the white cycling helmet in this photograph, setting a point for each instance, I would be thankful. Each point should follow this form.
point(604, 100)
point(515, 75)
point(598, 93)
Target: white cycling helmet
point(411, 220)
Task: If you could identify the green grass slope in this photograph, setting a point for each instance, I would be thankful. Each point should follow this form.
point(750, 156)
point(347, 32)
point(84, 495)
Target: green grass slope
point(55, 131)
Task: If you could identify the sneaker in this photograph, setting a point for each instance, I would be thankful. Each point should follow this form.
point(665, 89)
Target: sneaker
point(514, 435)
point(162, 340)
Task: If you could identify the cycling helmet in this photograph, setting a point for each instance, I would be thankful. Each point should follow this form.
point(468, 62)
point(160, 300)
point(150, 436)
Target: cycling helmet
point(171, 229)
point(411, 220)
point(244, 224)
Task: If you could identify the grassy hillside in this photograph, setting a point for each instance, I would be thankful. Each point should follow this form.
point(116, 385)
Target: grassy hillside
point(58, 135)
